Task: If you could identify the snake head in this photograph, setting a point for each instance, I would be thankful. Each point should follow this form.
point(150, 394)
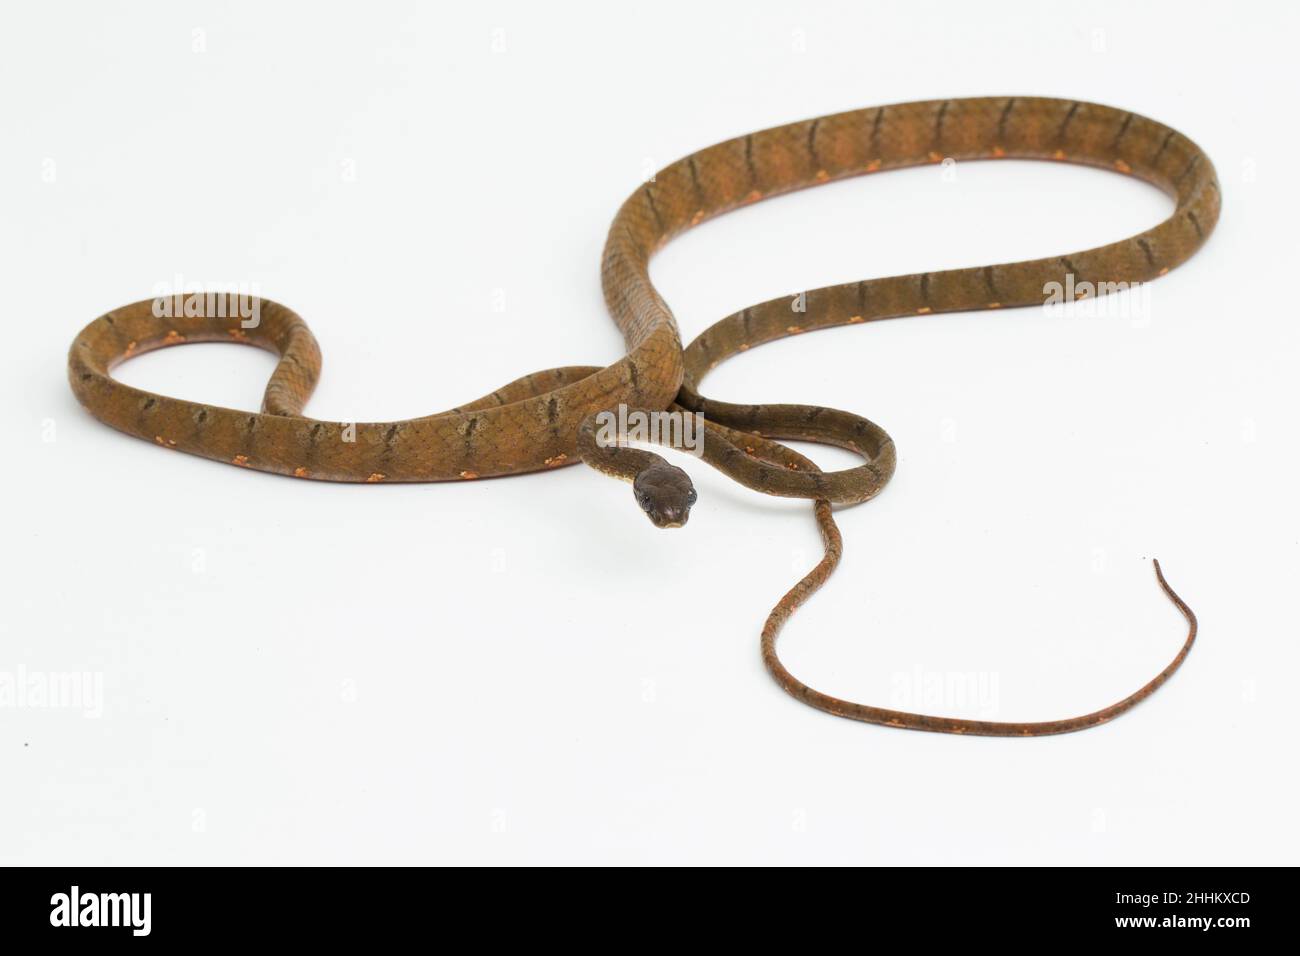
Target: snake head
point(665, 493)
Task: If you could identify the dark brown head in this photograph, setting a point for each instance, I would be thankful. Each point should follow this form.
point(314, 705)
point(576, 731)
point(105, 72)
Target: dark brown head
point(665, 493)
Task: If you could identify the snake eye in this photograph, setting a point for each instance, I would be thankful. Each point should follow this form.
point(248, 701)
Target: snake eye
point(692, 497)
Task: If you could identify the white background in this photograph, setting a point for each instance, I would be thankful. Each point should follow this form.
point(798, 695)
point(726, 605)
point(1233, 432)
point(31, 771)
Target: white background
point(524, 670)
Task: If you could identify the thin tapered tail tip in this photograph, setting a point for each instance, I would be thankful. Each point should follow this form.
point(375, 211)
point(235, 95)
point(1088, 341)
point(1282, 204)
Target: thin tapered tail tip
point(1178, 602)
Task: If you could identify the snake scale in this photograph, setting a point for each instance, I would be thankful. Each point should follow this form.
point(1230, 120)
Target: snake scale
point(547, 419)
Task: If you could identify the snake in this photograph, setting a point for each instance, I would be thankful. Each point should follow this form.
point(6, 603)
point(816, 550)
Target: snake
point(562, 416)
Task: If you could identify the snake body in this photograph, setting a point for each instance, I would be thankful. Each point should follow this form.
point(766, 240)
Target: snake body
point(545, 420)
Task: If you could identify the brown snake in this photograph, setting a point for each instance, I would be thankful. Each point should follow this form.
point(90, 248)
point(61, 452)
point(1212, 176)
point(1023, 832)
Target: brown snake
point(549, 418)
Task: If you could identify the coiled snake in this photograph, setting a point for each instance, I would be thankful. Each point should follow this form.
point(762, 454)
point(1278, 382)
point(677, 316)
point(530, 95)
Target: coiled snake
point(548, 419)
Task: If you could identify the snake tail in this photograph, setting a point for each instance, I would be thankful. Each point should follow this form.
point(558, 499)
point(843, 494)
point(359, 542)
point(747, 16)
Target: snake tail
point(905, 720)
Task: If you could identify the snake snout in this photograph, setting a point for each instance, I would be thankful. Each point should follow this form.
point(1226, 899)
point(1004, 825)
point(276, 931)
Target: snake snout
point(665, 493)
point(670, 517)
